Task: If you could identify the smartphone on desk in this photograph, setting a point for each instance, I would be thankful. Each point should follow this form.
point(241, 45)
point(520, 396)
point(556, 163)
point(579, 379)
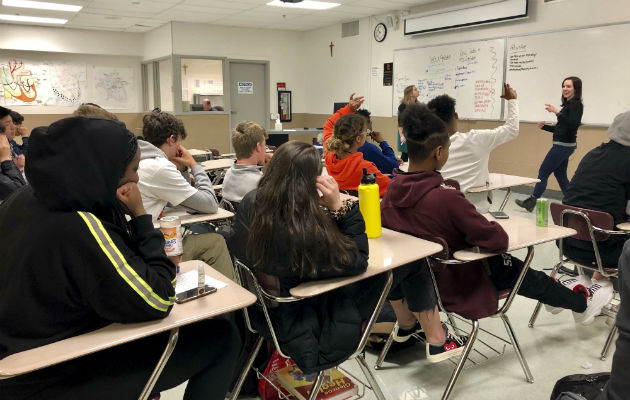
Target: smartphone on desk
point(194, 293)
point(499, 215)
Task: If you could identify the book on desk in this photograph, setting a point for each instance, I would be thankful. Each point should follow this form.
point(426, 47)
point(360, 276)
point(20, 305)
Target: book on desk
point(336, 385)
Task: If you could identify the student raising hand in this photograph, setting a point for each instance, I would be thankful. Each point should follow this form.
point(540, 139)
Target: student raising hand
point(330, 192)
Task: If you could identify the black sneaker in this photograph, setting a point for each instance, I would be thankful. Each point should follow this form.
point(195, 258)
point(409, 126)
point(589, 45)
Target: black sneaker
point(528, 204)
point(403, 334)
point(452, 347)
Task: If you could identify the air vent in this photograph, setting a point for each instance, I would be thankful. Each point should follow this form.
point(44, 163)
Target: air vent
point(350, 29)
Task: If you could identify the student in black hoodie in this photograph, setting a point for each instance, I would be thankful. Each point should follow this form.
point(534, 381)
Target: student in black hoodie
point(90, 267)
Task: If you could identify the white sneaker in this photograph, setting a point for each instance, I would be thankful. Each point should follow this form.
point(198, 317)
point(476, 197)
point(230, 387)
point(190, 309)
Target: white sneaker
point(578, 284)
point(601, 293)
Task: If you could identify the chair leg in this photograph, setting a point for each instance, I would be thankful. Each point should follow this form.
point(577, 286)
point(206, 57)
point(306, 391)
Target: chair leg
point(517, 348)
point(451, 321)
point(385, 350)
point(609, 340)
point(250, 361)
point(166, 354)
point(370, 377)
point(462, 360)
point(318, 384)
point(532, 319)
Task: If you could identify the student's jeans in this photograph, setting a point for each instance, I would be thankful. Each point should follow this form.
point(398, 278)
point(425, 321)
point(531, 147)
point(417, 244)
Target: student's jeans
point(556, 161)
point(413, 283)
point(205, 355)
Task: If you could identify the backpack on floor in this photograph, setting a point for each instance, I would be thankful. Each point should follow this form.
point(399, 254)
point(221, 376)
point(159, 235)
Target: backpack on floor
point(587, 386)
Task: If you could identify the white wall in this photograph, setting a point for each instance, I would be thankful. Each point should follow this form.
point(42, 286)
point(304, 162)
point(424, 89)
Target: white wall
point(157, 43)
point(285, 50)
point(65, 40)
point(333, 79)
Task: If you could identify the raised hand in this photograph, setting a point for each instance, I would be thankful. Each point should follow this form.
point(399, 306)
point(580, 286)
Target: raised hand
point(355, 102)
point(508, 92)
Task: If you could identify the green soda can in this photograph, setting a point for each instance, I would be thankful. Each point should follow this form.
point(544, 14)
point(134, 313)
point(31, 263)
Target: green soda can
point(542, 211)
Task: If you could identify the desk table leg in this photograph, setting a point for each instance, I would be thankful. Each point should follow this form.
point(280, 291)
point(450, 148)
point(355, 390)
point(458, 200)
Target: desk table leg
point(505, 199)
point(170, 346)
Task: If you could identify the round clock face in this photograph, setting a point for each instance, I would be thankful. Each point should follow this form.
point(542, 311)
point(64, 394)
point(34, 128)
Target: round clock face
point(380, 31)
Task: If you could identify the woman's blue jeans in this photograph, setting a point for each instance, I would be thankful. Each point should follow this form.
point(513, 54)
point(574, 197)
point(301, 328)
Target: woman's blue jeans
point(556, 161)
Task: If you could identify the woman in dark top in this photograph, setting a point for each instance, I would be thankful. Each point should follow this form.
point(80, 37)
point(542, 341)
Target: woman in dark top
point(286, 230)
point(564, 140)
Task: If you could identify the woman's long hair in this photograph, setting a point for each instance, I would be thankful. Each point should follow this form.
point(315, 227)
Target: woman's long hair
point(577, 89)
point(407, 95)
point(287, 207)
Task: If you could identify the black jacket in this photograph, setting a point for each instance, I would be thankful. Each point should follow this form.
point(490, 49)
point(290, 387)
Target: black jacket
point(569, 120)
point(10, 179)
point(323, 331)
point(85, 267)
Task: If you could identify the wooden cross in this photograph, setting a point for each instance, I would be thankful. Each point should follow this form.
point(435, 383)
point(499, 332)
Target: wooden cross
point(185, 68)
point(331, 45)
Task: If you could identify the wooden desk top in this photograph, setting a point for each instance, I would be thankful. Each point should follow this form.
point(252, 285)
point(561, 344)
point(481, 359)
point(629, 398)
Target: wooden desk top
point(393, 249)
point(225, 300)
point(522, 232)
point(404, 167)
point(222, 163)
point(502, 181)
point(624, 226)
point(227, 155)
point(188, 219)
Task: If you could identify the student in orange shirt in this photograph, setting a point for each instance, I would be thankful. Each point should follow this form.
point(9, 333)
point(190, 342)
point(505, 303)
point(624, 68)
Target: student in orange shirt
point(343, 161)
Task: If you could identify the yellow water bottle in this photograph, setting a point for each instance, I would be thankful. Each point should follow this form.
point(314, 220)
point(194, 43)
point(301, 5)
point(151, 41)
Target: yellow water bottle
point(370, 204)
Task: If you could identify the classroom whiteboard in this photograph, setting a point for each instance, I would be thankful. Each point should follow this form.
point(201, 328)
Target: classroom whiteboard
point(600, 56)
point(472, 73)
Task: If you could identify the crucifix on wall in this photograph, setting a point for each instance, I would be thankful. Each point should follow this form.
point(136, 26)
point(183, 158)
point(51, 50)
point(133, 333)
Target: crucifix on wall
point(185, 67)
point(331, 45)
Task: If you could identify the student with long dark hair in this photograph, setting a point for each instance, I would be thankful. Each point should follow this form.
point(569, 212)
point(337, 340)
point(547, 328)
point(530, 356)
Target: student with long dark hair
point(564, 140)
point(286, 230)
point(90, 267)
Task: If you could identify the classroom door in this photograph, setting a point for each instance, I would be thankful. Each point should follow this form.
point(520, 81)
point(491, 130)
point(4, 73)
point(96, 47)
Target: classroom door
point(248, 92)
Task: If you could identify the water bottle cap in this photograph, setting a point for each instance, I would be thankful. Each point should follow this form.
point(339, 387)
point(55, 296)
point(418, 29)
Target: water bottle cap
point(368, 179)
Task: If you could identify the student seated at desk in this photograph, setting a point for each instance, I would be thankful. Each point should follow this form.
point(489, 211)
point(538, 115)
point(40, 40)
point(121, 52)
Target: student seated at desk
point(285, 229)
point(89, 267)
point(10, 177)
point(248, 140)
point(343, 161)
point(419, 203)
point(602, 182)
point(162, 183)
point(470, 151)
point(383, 155)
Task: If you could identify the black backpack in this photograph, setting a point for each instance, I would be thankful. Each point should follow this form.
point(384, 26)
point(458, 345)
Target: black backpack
point(586, 387)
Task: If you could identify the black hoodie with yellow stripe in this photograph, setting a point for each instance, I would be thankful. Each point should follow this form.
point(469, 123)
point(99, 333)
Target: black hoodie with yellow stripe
point(69, 262)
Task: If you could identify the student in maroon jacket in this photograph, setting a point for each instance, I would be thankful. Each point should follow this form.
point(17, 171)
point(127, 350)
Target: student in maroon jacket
point(419, 203)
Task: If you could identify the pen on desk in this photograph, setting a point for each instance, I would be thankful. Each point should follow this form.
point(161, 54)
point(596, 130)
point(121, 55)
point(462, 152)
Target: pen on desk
point(201, 280)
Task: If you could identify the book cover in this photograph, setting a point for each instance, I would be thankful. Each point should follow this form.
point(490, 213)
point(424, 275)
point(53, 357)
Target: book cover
point(336, 385)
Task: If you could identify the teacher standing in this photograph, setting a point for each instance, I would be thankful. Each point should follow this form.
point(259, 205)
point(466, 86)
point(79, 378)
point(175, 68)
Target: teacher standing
point(564, 140)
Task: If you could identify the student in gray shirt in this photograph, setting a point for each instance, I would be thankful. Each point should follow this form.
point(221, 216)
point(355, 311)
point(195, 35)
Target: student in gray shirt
point(248, 140)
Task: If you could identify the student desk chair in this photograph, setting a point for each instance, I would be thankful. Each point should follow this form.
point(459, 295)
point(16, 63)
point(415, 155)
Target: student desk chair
point(624, 226)
point(218, 167)
point(591, 226)
point(502, 181)
point(225, 300)
point(221, 217)
point(391, 250)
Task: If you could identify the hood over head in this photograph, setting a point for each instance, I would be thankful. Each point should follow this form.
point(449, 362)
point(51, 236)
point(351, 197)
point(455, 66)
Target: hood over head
point(411, 187)
point(76, 163)
point(147, 150)
point(619, 130)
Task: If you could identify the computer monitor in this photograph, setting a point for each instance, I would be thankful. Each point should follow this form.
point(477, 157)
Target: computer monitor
point(196, 107)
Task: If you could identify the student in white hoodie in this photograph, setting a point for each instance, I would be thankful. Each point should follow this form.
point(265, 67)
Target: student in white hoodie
point(249, 142)
point(470, 151)
point(162, 161)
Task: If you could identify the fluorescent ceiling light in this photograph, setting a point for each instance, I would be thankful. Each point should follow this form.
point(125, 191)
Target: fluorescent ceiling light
point(40, 20)
point(308, 4)
point(42, 5)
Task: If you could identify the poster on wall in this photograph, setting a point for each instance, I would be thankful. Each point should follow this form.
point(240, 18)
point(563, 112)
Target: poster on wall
point(388, 74)
point(113, 87)
point(25, 83)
